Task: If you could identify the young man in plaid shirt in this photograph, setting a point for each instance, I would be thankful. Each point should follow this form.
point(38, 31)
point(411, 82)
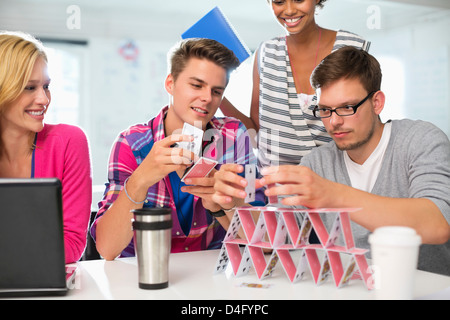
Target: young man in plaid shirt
point(145, 167)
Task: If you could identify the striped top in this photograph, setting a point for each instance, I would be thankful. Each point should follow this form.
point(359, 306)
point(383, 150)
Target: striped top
point(226, 140)
point(288, 128)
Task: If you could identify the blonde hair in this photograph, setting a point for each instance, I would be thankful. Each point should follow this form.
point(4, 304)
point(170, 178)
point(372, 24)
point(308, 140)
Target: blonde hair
point(18, 54)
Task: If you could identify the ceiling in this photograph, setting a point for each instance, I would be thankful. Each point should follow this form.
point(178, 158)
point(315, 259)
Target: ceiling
point(445, 4)
point(196, 5)
point(252, 18)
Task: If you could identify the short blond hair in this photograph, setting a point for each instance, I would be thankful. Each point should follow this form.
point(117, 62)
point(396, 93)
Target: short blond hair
point(18, 54)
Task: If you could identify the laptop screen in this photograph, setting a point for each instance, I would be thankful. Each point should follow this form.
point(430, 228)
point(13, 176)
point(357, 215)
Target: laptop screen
point(31, 237)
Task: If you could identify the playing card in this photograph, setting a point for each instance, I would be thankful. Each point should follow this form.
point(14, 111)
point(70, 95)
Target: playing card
point(292, 227)
point(364, 269)
point(325, 270)
point(319, 227)
point(193, 146)
point(349, 271)
point(235, 224)
point(259, 231)
point(247, 222)
point(270, 268)
point(336, 269)
point(250, 176)
point(222, 261)
point(302, 267)
point(314, 263)
point(235, 256)
point(255, 285)
point(271, 219)
point(347, 230)
point(304, 232)
point(200, 169)
point(280, 234)
point(294, 270)
point(334, 232)
point(246, 263)
point(258, 259)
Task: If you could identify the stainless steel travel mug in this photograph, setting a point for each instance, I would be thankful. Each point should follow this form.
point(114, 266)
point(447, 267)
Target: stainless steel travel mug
point(152, 240)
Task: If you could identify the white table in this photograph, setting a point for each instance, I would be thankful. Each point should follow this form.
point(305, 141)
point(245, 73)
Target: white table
point(192, 278)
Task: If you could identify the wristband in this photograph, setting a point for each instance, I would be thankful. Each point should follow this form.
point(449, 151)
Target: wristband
point(231, 209)
point(217, 214)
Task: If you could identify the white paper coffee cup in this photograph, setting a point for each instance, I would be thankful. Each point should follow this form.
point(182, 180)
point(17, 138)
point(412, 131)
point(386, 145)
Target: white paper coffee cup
point(395, 252)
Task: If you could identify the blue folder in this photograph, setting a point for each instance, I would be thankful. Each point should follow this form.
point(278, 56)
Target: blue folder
point(214, 25)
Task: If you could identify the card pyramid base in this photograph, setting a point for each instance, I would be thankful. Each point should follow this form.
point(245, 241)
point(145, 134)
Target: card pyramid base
point(285, 233)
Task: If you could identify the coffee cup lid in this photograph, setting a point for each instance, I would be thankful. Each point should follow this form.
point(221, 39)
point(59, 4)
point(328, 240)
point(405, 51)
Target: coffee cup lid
point(152, 211)
point(400, 236)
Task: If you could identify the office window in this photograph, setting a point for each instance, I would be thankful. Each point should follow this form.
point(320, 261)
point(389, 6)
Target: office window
point(64, 71)
point(393, 86)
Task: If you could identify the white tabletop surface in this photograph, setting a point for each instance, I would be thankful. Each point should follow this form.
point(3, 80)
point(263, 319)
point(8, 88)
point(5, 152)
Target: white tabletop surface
point(192, 278)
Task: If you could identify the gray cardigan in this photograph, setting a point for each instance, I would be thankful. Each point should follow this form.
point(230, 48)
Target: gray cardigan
point(416, 165)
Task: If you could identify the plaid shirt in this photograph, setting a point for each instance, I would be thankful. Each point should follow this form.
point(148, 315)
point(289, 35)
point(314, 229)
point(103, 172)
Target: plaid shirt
point(226, 140)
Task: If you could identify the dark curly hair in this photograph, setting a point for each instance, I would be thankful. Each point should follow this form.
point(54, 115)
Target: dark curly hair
point(321, 3)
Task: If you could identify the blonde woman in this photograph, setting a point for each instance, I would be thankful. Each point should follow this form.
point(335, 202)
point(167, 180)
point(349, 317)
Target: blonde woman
point(30, 148)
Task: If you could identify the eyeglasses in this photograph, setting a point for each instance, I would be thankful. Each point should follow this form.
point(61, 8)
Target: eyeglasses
point(345, 111)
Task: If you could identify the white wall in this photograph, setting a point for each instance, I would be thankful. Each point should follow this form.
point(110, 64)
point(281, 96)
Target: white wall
point(118, 93)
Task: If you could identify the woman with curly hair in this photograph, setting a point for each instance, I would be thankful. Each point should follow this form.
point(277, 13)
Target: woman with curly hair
point(282, 98)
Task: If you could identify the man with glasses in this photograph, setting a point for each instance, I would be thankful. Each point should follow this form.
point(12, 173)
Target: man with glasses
point(397, 172)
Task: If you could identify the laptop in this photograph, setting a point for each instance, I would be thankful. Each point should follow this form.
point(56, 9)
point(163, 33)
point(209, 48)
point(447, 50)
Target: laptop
point(32, 261)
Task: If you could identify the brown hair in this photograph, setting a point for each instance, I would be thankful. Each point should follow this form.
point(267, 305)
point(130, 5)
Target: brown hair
point(201, 49)
point(348, 63)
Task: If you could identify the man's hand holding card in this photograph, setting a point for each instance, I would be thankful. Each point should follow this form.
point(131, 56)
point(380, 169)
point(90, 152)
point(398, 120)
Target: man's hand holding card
point(162, 160)
point(200, 176)
point(213, 188)
point(202, 166)
point(203, 188)
point(235, 185)
point(194, 146)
